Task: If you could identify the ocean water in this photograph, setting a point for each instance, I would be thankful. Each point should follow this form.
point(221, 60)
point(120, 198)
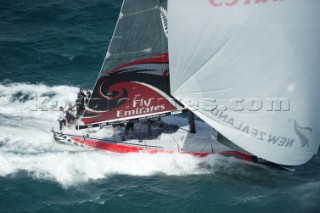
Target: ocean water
point(50, 48)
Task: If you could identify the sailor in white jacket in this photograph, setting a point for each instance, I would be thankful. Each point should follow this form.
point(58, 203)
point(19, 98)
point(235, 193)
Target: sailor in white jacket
point(62, 118)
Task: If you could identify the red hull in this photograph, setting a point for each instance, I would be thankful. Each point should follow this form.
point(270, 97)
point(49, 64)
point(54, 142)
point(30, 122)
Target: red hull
point(120, 148)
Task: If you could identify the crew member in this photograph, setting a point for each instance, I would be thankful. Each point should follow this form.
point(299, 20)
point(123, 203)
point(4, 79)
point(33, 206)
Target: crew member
point(70, 115)
point(88, 95)
point(62, 118)
point(80, 103)
point(129, 126)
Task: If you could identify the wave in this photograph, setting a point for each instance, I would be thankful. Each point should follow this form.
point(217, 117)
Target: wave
point(27, 114)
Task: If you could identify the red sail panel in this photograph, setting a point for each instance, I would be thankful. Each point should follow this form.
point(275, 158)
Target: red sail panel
point(133, 90)
point(134, 78)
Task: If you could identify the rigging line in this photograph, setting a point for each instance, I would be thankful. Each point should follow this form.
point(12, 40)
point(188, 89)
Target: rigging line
point(184, 129)
point(142, 11)
point(103, 63)
point(205, 144)
point(147, 50)
point(174, 139)
point(179, 148)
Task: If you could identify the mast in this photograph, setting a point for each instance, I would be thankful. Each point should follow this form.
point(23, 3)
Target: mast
point(192, 128)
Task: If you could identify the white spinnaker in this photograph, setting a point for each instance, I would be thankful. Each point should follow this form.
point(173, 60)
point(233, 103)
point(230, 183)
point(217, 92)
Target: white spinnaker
point(261, 50)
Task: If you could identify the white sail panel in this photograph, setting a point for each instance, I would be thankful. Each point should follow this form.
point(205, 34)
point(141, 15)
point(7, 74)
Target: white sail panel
point(251, 70)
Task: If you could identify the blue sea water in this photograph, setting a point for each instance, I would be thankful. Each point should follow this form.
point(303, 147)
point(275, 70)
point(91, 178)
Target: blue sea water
point(50, 48)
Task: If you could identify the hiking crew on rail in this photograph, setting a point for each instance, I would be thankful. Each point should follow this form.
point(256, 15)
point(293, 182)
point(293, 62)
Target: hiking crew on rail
point(73, 112)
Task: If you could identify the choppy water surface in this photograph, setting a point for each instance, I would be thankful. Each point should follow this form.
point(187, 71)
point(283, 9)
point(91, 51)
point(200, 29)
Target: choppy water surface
point(48, 50)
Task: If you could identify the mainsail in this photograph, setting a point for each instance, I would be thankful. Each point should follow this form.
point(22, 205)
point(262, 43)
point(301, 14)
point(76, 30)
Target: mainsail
point(250, 69)
point(134, 78)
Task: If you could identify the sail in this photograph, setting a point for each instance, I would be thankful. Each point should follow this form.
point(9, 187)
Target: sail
point(251, 70)
point(134, 78)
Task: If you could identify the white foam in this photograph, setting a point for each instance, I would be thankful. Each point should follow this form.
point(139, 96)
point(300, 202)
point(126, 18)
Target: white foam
point(26, 143)
point(69, 168)
point(28, 100)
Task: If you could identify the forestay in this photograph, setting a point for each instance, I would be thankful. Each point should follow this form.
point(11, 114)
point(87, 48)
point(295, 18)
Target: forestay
point(250, 69)
point(134, 78)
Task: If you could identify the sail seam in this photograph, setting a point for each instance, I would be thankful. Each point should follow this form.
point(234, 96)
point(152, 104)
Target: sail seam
point(142, 11)
point(146, 50)
point(212, 58)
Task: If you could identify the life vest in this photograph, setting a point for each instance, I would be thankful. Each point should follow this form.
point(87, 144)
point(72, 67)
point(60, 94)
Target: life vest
point(69, 114)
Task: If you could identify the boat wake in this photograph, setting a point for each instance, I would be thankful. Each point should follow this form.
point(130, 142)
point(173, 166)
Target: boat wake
point(27, 114)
